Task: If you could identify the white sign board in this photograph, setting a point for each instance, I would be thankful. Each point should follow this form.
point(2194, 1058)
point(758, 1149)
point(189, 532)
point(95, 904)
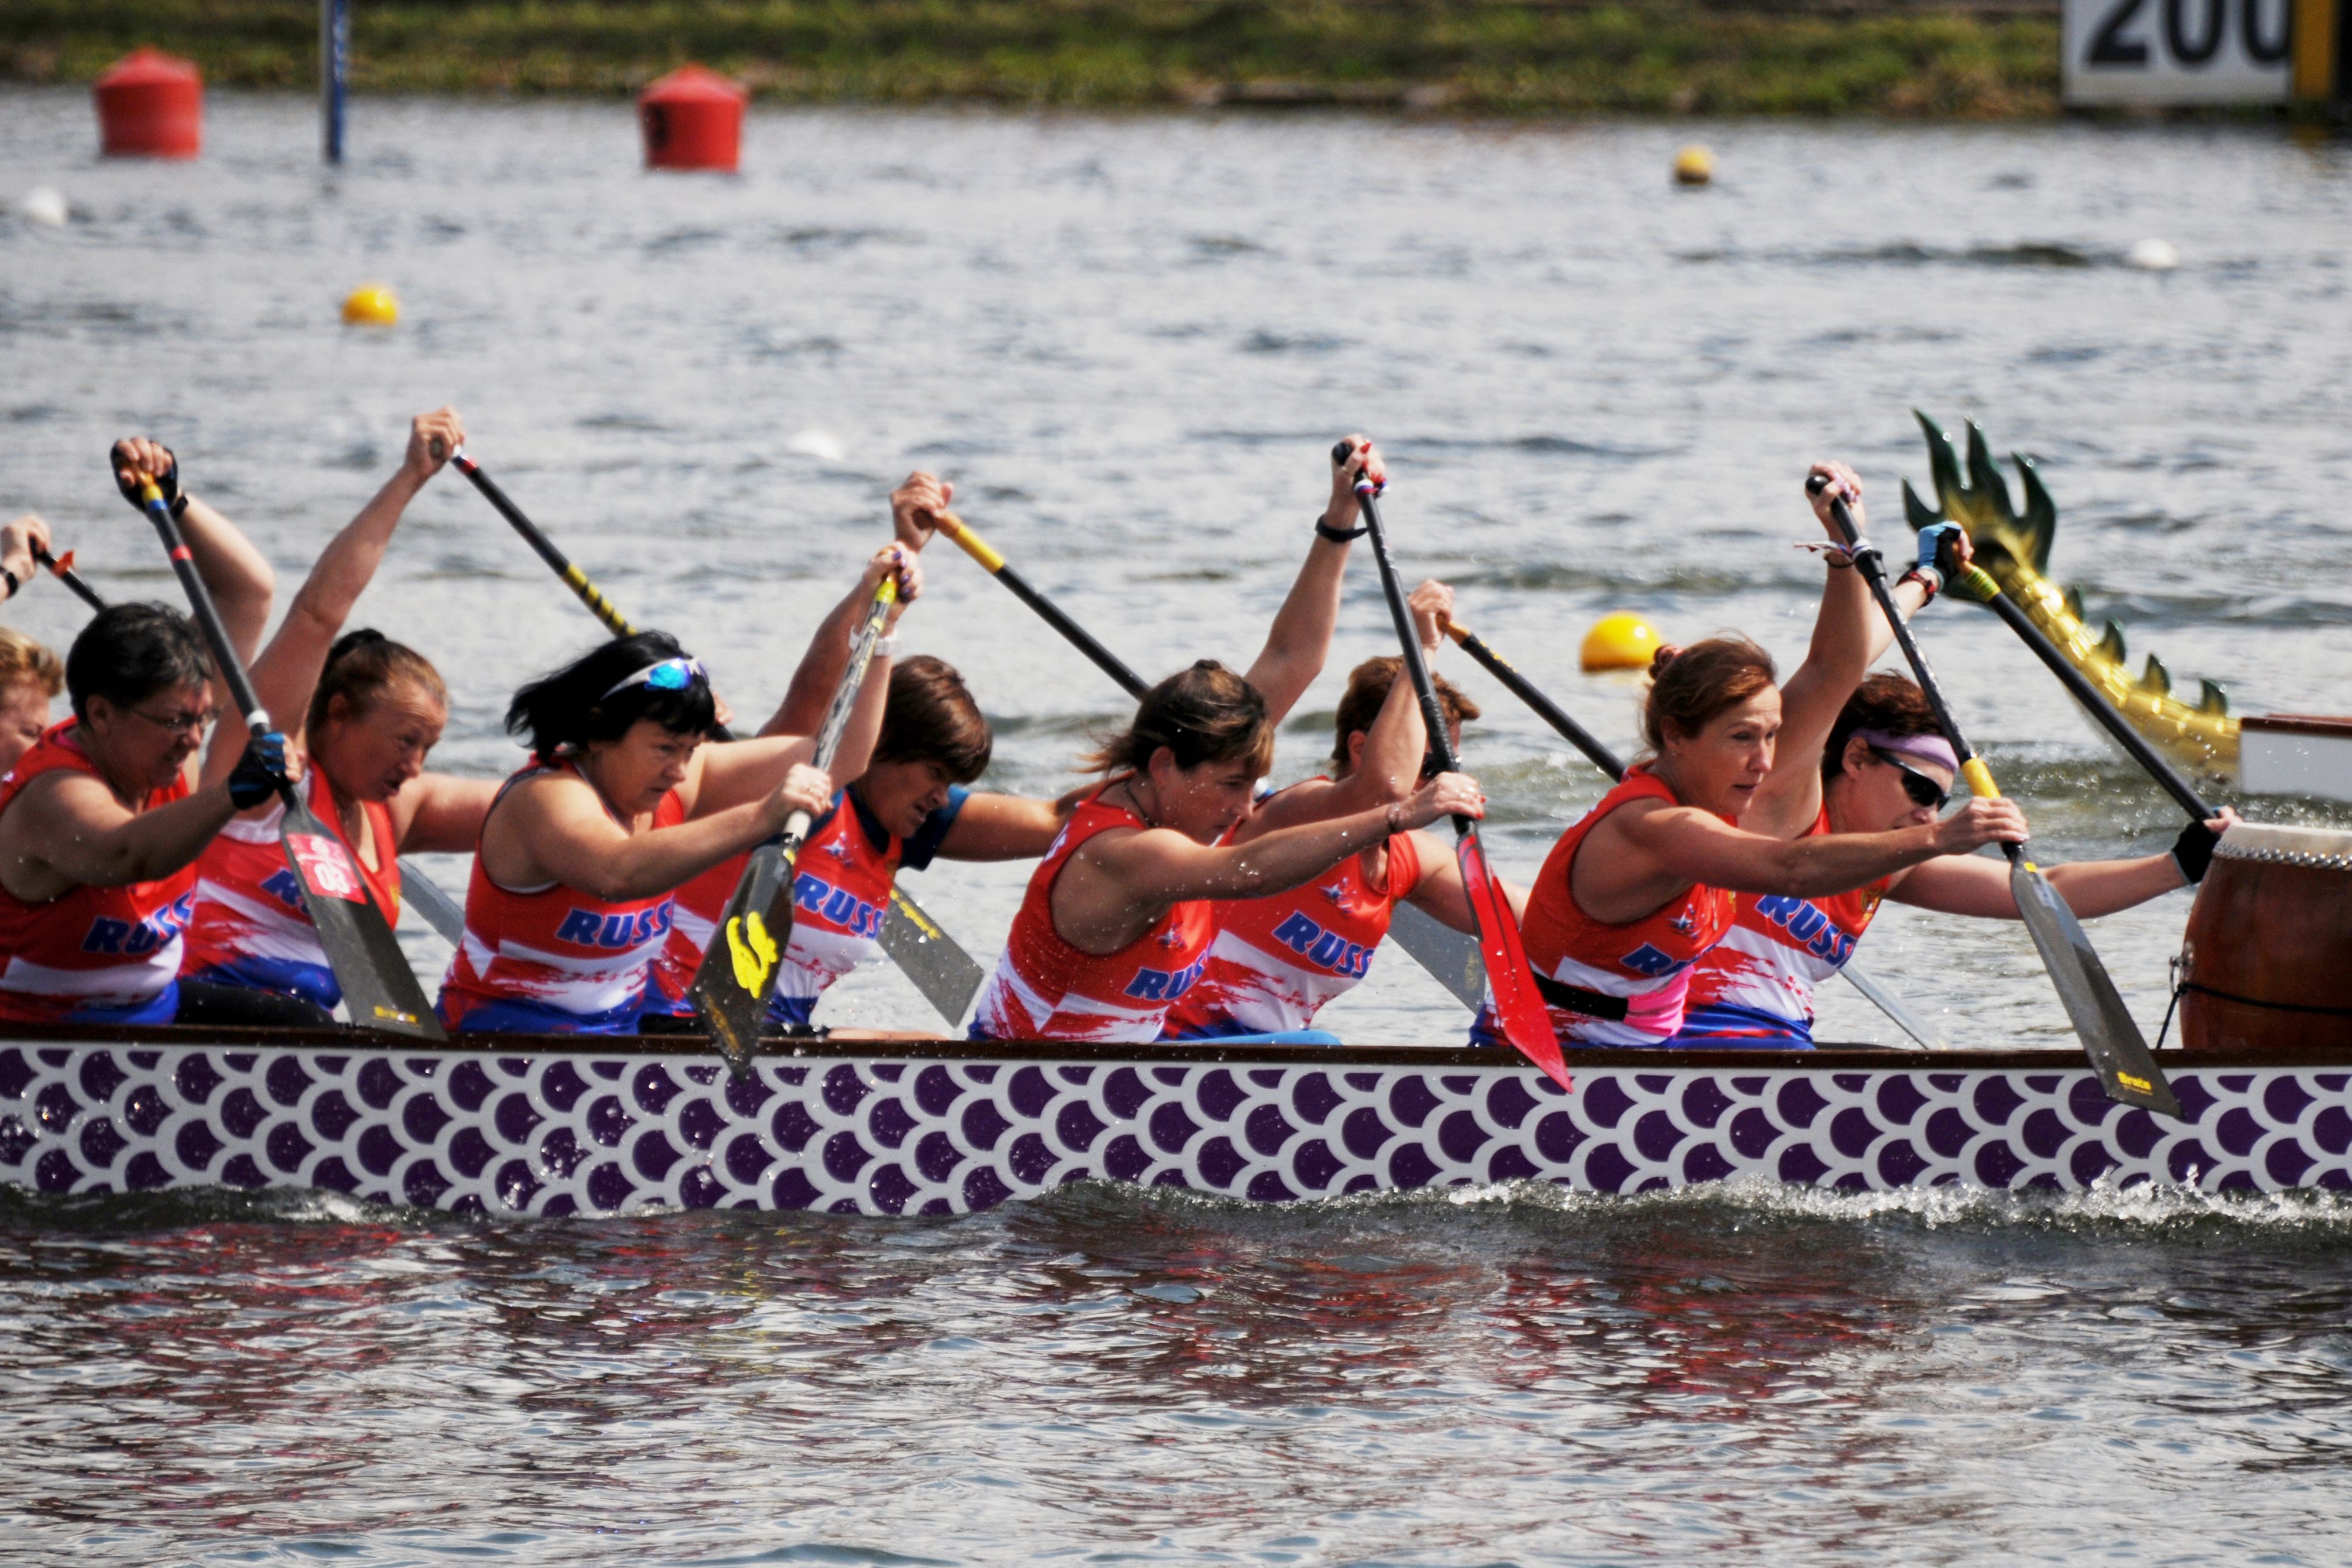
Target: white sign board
point(2168, 52)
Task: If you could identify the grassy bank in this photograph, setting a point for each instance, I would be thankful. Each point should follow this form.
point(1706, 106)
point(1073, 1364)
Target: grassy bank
point(1478, 56)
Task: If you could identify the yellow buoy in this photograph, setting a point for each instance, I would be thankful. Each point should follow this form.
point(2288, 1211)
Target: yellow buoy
point(1619, 642)
point(1693, 165)
point(371, 305)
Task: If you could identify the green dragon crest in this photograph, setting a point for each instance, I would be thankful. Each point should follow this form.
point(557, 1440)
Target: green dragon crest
point(2015, 550)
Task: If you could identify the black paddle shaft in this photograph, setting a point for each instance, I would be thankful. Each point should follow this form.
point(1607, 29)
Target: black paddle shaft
point(1110, 663)
point(70, 578)
point(1551, 713)
point(1867, 562)
point(1433, 714)
point(2092, 698)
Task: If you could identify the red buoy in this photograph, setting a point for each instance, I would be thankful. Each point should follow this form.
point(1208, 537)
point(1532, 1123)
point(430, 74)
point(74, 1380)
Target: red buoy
point(693, 118)
point(151, 105)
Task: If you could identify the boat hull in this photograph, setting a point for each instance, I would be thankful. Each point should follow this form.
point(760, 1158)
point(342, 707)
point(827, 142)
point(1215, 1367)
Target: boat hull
point(567, 1126)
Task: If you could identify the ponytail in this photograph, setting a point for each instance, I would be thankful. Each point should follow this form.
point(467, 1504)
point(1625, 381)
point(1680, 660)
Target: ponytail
point(1690, 687)
point(361, 667)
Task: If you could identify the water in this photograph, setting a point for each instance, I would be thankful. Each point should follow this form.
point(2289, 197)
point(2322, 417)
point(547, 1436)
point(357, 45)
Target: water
point(1129, 341)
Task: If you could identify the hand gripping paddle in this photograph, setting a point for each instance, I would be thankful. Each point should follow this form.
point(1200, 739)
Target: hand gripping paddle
point(739, 968)
point(1576, 735)
point(1518, 1005)
point(2112, 1041)
point(941, 969)
point(379, 987)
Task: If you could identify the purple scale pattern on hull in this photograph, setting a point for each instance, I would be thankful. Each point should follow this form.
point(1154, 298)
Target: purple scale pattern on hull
point(529, 1134)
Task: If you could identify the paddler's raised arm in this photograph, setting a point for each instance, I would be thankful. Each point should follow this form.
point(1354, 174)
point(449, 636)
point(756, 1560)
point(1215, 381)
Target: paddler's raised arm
point(288, 670)
point(1300, 638)
point(238, 574)
point(724, 776)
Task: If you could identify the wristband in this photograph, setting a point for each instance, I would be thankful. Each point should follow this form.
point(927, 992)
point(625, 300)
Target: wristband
point(1394, 820)
point(1928, 579)
point(178, 508)
point(887, 647)
point(1340, 535)
point(2193, 851)
point(14, 582)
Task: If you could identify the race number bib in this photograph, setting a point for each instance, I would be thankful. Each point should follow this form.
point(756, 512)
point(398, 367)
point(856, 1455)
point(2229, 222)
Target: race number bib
point(326, 867)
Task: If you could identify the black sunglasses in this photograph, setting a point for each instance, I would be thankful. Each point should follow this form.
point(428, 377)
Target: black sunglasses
point(1923, 790)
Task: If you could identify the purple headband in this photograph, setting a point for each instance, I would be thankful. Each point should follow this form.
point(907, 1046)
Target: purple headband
point(1919, 748)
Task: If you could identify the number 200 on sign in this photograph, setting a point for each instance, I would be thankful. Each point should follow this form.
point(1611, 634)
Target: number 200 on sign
point(2163, 52)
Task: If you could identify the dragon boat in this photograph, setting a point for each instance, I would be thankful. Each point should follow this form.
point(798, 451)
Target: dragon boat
point(570, 1124)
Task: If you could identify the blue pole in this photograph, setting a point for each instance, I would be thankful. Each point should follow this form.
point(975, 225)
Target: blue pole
point(334, 61)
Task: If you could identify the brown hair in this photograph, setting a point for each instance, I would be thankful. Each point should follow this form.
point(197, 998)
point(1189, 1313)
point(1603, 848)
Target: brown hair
point(931, 718)
point(1204, 714)
point(1886, 702)
point(361, 667)
point(22, 658)
point(1368, 687)
point(1690, 686)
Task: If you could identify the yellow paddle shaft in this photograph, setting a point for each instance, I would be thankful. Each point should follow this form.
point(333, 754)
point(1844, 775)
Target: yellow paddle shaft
point(974, 545)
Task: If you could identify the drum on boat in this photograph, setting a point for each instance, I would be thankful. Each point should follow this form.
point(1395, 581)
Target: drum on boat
point(2267, 960)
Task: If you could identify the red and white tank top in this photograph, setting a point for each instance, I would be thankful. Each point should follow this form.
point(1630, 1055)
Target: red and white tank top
point(1646, 962)
point(550, 959)
point(92, 954)
point(1046, 989)
point(1757, 983)
point(251, 927)
point(1276, 961)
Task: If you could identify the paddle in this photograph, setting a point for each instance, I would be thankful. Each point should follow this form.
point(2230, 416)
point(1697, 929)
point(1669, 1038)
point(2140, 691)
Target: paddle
point(739, 968)
point(1446, 953)
point(942, 970)
point(1604, 759)
point(2111, 1040)
point(439, 909)
point(62, 568)
point(1519, 1006)
point(378, 987)
point(1976, 584)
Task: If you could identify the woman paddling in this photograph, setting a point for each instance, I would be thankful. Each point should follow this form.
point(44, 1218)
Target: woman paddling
point(370, 711)
point(1644, 885)
point(1117, 921)
point(1277, 960)
point(582, 851)
point(1859, 756)
point(101, 819)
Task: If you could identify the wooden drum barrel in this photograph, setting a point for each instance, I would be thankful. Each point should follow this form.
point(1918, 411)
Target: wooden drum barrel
point(2267, 960)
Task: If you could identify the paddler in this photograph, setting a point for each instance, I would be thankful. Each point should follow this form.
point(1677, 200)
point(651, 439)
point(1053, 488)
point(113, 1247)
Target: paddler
point(30, 679)
point(582, 851)
point(1646, 882)
point(101, 819)
point(367, 712)
point(1117, 920)
point(1865, 755)
point(1277, 960)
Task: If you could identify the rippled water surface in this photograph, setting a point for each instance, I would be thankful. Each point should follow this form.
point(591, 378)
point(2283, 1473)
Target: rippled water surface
point(1129, 341)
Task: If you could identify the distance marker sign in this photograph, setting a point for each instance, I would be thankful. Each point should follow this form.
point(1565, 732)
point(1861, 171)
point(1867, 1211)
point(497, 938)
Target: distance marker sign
point(2176, 52)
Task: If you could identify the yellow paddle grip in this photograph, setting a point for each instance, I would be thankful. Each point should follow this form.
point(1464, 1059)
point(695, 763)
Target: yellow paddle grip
point(888, 591)
point(1980, 779)
point(1976, 584)
point(1456, 630)
point(149, 490)
point(974, 545)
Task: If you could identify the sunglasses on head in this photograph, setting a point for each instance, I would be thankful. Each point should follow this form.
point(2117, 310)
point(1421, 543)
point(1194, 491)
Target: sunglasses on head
point(670, 674)
point(1922, 790)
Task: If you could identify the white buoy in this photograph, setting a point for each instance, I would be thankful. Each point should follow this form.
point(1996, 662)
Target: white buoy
point(821, 445)
point(2152, 256)
point(45, 206)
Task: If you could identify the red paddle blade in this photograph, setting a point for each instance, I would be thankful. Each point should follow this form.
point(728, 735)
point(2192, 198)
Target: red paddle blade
point(1518, 1005)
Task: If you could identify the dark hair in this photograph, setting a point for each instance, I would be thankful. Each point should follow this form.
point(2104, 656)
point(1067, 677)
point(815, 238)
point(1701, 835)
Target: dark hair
point(931, 718)
point(1886, 702)
point(568, 706)
point(1204, 714)
point(361, 667)
point(1690, 686)
point(1368, 688)
point(129, 652)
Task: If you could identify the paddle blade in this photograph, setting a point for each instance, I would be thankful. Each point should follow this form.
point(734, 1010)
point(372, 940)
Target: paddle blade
point(379, 988)
point(1518, 1005)
point(737, 973)
point(2110, 1038)
point(1445, 952)
point(944, 971)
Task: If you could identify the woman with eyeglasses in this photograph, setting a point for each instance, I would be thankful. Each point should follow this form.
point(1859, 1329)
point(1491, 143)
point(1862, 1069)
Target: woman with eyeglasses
point(1640, 890)
point(102, 819)
point(367, 711)
point(572, 895)
point(1880, 764)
